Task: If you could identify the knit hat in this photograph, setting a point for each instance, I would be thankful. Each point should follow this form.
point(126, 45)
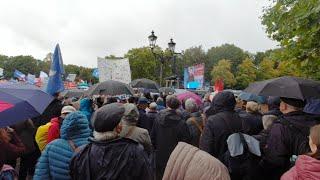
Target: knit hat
point(153, 105)
point(294, 102)
point(68, 109)
point(143, 100)
point(131, 113)
point(107, 117)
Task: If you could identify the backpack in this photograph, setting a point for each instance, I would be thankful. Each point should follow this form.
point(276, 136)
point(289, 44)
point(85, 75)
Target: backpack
point(42, 136)
point(244, 166)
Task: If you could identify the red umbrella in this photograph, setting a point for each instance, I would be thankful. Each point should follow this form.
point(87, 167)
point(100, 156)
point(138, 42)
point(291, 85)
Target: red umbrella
point(186, 95)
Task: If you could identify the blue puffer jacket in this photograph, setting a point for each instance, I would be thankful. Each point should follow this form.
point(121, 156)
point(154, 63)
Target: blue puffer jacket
point(55, 159)
point(86, 108)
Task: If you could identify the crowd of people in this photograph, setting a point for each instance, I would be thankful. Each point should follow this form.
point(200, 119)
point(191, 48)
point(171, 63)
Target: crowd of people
point(160, 137)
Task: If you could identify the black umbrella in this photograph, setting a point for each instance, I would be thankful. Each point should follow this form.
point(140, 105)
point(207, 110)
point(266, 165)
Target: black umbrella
point(167, 90)
point(144, 83)
point(110, 87)
point(77, 93)
point(286, 86)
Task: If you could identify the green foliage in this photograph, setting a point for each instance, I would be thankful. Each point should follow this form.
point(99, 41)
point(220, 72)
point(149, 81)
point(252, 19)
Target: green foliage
point(295, 25)
point(226, 51)
point(246, 73)
point(223, 71)
point(266, 70)
point(28, 64)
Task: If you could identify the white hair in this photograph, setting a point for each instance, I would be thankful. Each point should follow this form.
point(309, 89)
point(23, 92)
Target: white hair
point(267, 121)
point(191, 105)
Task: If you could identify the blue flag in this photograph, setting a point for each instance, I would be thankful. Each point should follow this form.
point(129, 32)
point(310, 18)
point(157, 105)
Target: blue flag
point(95, 73)
point(19, 75)
point(55, 83)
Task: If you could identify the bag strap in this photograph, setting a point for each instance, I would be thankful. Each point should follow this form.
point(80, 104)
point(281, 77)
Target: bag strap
point(194, 122)
point(244, 142)
point(73, 146)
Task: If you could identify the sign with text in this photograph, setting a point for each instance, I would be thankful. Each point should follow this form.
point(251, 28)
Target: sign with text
point(114, 69)
point(194, 76)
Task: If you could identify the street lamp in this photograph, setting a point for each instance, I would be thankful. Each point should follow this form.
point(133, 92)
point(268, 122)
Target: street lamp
point(171, 46)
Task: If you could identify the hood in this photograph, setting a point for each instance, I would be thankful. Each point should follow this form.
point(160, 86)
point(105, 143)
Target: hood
point(195, 114)
point(169, 118)
point(224, 101)
point(74, 126)
point(86, 105)
point(308, 167)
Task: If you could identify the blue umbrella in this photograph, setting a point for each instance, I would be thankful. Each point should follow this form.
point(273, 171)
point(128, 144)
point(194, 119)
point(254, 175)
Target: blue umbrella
point(252, 97)
point(19, 102)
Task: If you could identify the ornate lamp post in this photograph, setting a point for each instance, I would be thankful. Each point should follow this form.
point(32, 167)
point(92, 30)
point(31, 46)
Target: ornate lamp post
point(171, 46)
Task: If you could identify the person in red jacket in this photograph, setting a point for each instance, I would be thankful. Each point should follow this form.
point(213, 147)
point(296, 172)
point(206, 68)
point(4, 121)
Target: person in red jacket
point(307, 166)
point(54, 129)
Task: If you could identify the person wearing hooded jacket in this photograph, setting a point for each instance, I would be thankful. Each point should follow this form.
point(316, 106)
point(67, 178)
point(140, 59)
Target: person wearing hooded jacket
point(55, 159)
point(307, 166)
point(109, 156)
point(86, 109)
point(287, 137)
point(168, 129)
point(219, 126)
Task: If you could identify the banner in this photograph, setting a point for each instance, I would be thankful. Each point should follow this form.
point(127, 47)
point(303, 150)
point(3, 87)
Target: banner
point(31, 79)
point(114, 69)
point(194, 76)
point(19, 75)
point(71, 77)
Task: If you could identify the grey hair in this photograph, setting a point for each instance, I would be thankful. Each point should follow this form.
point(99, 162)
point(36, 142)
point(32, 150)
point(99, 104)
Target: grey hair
point(267, 121)
point(191, 105)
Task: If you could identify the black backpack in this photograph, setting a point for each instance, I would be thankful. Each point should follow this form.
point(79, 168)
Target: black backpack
point(244, 166)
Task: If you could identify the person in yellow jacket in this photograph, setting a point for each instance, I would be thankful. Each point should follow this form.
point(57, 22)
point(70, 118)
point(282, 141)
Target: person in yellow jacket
point(42, 135)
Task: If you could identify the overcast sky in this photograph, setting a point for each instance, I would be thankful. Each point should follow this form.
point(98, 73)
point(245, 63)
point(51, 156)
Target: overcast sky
point(88, 29)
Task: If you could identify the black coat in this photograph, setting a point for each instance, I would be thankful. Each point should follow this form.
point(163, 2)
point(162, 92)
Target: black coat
point(121, 159)
point(252, 123)
point(194, 130)
point(219, 126)
point(168, 129)
point(151, 118)
point(143, 121)
point(52, 111)
point(288, 136)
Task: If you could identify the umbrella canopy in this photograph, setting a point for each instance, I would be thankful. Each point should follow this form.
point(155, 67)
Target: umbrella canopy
point(144, 83)
point(77, 93)
point(312, 106)
point(111, 88)
point(167, 90)
point(286, 86)
point(186, 95)
point(252, 97)
point(19, 102)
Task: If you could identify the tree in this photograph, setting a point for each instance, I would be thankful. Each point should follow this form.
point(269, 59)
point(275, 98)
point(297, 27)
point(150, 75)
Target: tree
point(295, 25)
point(246, 73)
point(226, 51)
point(266, 70)
point(223, 71)
point(288, 68)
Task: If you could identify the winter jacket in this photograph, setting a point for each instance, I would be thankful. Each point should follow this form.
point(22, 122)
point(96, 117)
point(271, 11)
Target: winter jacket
point(152, 117)
point(262, 138)
point(252, 123)
point(194, 130)
point(11, 150)
point(219, 126)
point(143, 121)
point(26, 131)
point(187, 162)
point(121, 159)
point(42, 136)
point(168, 129)
point(52, 111)
point(137, 134)
point(86, 108)
point(288, 136)
point(55, 159)
point(54, 129)
point(306, 168)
